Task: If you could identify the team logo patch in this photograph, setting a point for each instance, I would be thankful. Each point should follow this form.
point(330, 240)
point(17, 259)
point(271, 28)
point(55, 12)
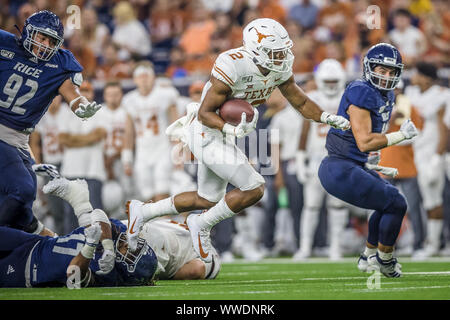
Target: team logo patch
point(7, 54)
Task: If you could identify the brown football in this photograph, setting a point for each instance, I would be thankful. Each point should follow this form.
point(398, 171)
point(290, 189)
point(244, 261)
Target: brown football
point(231, 111)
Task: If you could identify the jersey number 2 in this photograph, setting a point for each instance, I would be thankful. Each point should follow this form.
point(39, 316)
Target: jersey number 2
point(11, 88)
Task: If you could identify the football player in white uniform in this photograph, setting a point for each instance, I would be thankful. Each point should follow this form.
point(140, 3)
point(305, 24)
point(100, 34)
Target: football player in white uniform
point(251, 73)
point(330, 79)
point(429, 149)
point(115, 117)
point(152, 108)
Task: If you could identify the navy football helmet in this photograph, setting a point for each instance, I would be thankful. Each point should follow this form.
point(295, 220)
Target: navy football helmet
point(48, 24)
point(386, 55)
point(137, 267)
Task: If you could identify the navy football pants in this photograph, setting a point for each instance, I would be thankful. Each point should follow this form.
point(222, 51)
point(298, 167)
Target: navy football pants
point(17, 187)
point(351, 182)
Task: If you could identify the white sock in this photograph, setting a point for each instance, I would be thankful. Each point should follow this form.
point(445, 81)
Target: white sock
point(213, 216)
point(434, 229)
point(157, 209)
point(369, 251)
point(338, 218)
point(308, 226)
point(385, 255)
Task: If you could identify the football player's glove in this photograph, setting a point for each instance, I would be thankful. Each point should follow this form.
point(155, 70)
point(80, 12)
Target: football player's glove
point(244, 127)
point(46, 170)
point(408, 129)
point(335, 121)
point(87, 110)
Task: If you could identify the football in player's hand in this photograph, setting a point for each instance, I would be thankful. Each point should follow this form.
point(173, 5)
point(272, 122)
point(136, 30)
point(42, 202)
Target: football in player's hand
point(231, 111)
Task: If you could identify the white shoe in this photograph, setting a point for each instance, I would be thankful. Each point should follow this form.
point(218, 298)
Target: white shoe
point(335, 255)
point(227, 256)
point(135, 222)
point(75, 192)
point(200, 238)
point(390, 268)
point(301, 255)
point(362, 263)
point(425, 253)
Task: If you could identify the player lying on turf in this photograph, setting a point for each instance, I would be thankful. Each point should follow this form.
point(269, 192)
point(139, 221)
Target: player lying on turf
point(95, 254)
point(33, 70)
point(346, 172)
point(250, 73)
point(169, 240)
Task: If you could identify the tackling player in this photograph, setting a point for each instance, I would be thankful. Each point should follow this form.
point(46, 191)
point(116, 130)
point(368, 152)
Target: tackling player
point(33, 70)
point(251, 73)
point(368, 104)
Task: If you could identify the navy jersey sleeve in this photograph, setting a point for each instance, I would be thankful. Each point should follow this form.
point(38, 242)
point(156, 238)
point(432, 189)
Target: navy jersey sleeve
point(361, 95)
point(71, 66)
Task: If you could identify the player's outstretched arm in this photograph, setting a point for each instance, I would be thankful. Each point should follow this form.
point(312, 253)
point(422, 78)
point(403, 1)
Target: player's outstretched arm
point(78, 103)
point(366, 140)
point(310, 110)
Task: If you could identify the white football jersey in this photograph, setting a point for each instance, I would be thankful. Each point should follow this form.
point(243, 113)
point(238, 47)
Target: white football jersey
point(115, 121)
point(288, 122)
point(52, 151)
point(172, 244)
point(315, 147)
point(428, 104)
point(236, 68)
point(150, 117)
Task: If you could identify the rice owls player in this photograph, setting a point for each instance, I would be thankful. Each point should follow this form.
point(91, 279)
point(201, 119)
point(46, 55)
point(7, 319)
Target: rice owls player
point(251, 73)
point(429, 148)
point(330, 79)
point(152, 108)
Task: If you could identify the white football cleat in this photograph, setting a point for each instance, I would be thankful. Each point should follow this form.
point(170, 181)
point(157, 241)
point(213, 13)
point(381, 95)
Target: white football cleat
point(425, 253)
point(362, 263)
point(200, 238)
point(75, 192)
point(301, 255)
point(135, 222)
point(390, 268)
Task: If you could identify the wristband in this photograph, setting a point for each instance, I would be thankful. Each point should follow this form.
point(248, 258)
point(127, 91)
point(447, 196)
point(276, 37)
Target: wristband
point(88, 250)
point(108, 244)
point(394, 138)
point(228, 129)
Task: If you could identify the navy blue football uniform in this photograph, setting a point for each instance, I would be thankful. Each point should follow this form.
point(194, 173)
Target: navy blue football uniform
point(28, 260)
point(27, 87)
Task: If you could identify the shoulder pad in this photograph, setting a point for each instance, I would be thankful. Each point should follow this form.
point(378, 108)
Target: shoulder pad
point(361, 94)
point(67, 61)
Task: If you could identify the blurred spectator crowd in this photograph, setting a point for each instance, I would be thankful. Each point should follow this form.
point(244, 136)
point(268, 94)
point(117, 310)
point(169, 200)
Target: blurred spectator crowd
point(115, 41)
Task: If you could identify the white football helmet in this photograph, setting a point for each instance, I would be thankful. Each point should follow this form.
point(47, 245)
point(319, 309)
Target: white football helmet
point(269, 44)
point(112, 195)
point(330, 77)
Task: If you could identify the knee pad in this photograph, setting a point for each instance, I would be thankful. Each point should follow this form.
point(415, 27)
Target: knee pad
point(398, 205)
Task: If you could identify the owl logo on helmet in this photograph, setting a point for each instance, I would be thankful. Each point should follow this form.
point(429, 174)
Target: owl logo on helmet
point(330, 77)
point(386, 55)
point(269, 44)
point(38, 26)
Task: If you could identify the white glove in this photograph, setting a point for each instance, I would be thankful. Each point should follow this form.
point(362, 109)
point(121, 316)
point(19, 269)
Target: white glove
point(387, 171)
point(408, 129)
point(46, 170)
point(93, 234)
point(106, 262)
point(87, 110)
point(300, 164)
point(244, 127)
point(374, 157)
point(335, 121)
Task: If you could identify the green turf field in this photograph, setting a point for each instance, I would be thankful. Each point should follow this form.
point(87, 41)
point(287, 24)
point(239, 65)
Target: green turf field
point(276, 279)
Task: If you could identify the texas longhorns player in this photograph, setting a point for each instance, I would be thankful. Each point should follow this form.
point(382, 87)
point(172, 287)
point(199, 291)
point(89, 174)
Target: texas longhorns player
point(251, 73)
